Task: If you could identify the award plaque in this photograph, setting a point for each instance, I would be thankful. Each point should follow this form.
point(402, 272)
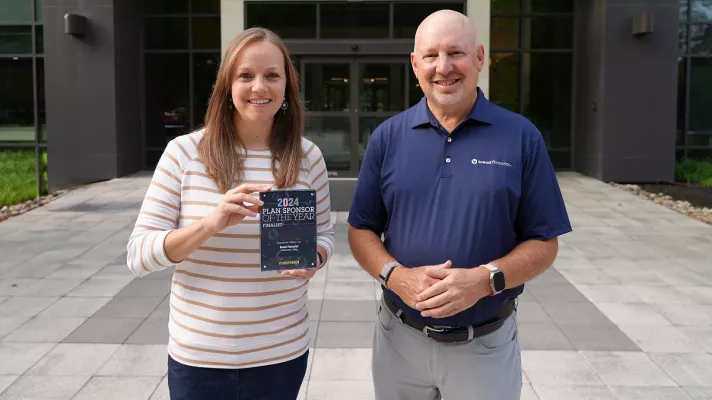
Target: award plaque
point(288, 230)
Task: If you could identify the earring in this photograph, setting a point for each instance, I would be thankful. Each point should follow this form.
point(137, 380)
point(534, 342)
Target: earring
point(285, 105)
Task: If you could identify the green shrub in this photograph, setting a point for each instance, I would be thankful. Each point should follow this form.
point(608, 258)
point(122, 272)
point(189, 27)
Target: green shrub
point(695, 171)
point(17, 176)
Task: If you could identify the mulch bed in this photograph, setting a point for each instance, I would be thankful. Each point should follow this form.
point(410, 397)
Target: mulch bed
point(692, 200)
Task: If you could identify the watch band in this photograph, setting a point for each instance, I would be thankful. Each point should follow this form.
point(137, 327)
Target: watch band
point(386, 272)
point(321, 260)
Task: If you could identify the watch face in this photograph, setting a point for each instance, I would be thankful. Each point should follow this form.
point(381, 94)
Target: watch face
point(498, 280)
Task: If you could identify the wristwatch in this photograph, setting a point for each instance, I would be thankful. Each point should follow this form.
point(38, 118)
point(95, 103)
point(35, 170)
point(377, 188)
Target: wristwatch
point(321, 260)
point(386, 272)
point(496, 279)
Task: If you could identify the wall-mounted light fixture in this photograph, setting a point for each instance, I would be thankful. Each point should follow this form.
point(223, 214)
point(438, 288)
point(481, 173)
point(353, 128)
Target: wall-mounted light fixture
point(642, 24)
point(75, 24)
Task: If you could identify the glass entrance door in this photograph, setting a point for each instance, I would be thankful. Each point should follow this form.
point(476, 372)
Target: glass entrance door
point(346, 99)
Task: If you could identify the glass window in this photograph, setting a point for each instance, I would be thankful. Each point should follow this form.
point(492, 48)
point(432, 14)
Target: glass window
point(332, 135)
point(701, 10)
point(166, 6)
point(42, 117)
point(326, 87)
point(39, 14)
point(415, 93)
point(700, 95)
point(682, 38)
point(701, 39)
point(39, 39)
point(560, 159)
point(15, 10)
point(206, 33)
point(683, 9)
point(505, 33)
point(292, 21)
point(504, 80)
point(681, 82)
point(16, 39)
point(546, 91)
point(17, 118)
point(382, 87)
point(166, 33)
point(549, 6)
point(167, 114)
point(407, 16)
point(505, 6)
point(205, 70)
point(548, 33)
point(359, 20)
point(205, 6)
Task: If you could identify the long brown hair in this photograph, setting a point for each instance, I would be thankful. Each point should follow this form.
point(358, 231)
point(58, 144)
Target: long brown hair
point(217, 147)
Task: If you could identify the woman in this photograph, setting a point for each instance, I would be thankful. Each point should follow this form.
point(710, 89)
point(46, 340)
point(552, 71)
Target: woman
point(235, 331)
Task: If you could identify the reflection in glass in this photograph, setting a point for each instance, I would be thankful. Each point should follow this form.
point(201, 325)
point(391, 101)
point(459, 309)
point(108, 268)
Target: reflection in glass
point(415, 92)
point(701, 39)
point(15, 11)
point(505, 33)
point(205, 6)
point(42, 116)
point(166, 6)
point(548, 33)
point(504, 80)
point(39, 39)
point(39, 14)
point(366, 127)
point(505, 6)
point(682, 38)
point(332, 135)
point(17, 119)
point(205, 69)
point(206, 32)
point(16, 39)
point(357, 20)
point(407, 16)
point(167, 113)
point(701, 10)
point(700, 95)
point(326, 87)
point(546, 91)
point(297, 21)
point(166, 33)
point(549, 6)
point(382, 87)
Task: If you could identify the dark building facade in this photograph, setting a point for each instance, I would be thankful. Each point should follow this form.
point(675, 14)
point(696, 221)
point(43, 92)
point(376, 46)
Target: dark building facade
point(618, 88)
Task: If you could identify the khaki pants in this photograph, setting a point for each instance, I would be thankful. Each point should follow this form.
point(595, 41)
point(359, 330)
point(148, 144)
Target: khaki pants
point(407, 365)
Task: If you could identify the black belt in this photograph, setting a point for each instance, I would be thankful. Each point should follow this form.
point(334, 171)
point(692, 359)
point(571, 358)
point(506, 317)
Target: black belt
point(452, 334)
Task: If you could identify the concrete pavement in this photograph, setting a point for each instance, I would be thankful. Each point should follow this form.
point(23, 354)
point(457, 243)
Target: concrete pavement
point(625, 313)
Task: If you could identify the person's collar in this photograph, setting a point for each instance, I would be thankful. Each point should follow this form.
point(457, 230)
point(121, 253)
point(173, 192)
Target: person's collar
point(481, 112)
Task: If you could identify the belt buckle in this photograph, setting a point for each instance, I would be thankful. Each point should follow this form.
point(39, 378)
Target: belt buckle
point(438, 329)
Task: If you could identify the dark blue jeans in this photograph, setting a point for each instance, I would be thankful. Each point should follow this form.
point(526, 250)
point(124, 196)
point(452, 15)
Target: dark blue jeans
point(273, 382)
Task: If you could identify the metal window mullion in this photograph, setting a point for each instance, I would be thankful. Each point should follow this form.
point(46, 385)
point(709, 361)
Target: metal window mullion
point(391, 17)
point(35, 105)
point(318, 21)
point(688, 71)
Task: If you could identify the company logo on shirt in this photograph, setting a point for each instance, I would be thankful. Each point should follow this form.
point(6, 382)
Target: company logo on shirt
point(490, 162)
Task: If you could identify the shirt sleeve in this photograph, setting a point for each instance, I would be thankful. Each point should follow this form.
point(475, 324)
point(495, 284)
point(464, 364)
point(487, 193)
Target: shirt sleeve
point(541, 214)
point(158, 216)
point(324, 224)
point(368, 211)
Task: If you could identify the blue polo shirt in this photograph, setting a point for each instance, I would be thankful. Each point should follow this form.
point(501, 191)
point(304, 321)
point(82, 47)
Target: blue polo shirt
point(470, 197)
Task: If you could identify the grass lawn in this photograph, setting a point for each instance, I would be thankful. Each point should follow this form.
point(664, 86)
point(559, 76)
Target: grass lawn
point(695, 171)
point(17, 176)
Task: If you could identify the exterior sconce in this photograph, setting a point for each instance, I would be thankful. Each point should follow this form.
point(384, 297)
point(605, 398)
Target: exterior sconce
point(75, 25)
point(642, 24)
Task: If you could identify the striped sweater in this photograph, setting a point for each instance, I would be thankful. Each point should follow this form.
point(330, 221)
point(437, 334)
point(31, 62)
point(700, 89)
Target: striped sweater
point(224, 311)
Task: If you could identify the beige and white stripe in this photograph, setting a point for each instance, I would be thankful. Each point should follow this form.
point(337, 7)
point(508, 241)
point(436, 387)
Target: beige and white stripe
point(225, 311)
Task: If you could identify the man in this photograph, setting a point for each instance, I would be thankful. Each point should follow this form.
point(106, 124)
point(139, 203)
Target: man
point(469, 207)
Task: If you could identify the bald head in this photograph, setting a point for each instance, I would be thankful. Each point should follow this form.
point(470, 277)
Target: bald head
point(446, 23)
